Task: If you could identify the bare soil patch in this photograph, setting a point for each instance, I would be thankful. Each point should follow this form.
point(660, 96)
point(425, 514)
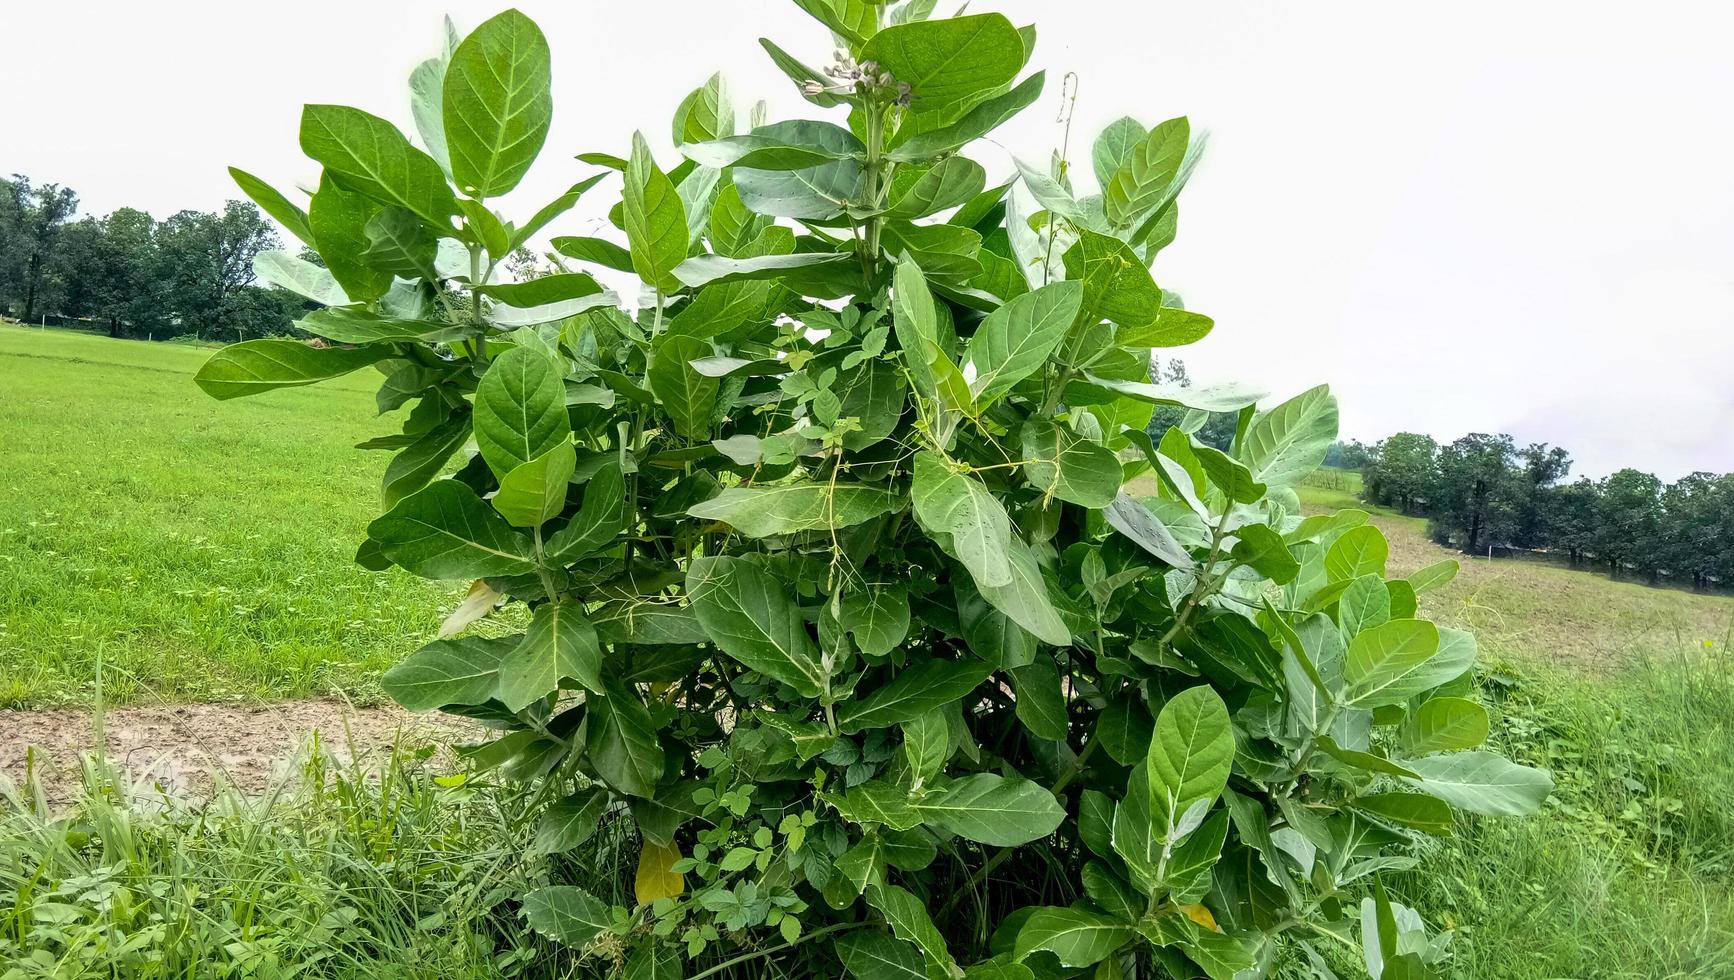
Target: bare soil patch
point(190, 749)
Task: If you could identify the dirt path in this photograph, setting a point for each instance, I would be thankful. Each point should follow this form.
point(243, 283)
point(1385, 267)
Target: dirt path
point(186, 749)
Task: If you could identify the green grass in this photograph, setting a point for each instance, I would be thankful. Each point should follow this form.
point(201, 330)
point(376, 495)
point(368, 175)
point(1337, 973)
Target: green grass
point(204, 548)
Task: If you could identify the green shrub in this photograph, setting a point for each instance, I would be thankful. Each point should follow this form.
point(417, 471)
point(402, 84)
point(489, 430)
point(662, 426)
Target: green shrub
point(837, 594)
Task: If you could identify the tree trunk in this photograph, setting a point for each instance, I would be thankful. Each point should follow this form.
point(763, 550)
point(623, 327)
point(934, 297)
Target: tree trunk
point(33, 275)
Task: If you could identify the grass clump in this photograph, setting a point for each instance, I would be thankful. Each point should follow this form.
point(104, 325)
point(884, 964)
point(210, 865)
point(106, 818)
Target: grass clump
point(1628, 872)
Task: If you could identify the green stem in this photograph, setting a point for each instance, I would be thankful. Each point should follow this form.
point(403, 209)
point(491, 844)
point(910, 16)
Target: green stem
point(748, 957)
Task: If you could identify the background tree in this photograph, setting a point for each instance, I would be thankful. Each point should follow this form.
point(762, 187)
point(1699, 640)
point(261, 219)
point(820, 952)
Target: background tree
point(32, 220)
point(1351, 455)
point(1694, 523)
point(1629, 521)
point(1571, 514)
point(1402, 470)
point(1480, 493)
point(206, 264)
point(1542, 468)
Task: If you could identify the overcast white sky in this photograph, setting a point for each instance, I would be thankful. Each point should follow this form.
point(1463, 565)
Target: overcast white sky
point(1465, 216)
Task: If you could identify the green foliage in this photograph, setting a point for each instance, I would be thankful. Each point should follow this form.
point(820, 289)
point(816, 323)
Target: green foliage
point(835, 583)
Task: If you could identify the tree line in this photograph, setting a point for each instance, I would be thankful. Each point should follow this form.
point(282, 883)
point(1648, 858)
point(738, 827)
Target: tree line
point(190, 274)
point(1484, 491)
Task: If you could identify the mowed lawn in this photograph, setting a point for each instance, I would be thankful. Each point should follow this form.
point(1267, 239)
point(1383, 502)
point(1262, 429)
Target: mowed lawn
point(1540, 611)
point(201, 549)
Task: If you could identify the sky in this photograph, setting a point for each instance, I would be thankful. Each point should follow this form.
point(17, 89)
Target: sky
point(1475, 216)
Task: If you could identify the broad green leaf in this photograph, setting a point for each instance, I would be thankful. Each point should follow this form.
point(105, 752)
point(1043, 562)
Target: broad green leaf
point(1125, 727)
point(915, 320)
point(1025, 598)
point(1444, 725)
point(1078, 937)
point(520, 409)
point(991, 809)
point(751, 617)
point(1264, 551)
point(1225, 474)
point(426, 95)
point(707, 113)
point(261, 365)
point(949, 61)
point(1041, 701)
point(916, 690)
point(686, 393)
point(1433, 576)
point(373, 157)
point(983, 118)
point(1108, 890)
point(926, 745)
point(705, 270)
point(876, 956)
point(1114, 146)
point(1116, 282)
point(1360, 551)
point(1150, 175)
point(854, 21)
point(459, 671)
point(600, 518)
point(873, 394)
point(1417, 810)
point(598, 250)
point(948, 254)
point(423, 459)
point(1382, 662)
point(877, 616)
point(910, 922)
point(299, 276)
point(1136, 522)
point(991, 634)
point(1482, 782)
point(1060, 462)
point(811, 193)
point(1204, 398)
point(1365, 603)
point(1187, 876)
point(917, 192)
point(801, 74)
point(1289, 441)
point(647, 624)
point(951, 503)
point(400, 243)
point(338, 218)
point(1190, 755)
point(446, 531)
point(793, 145)
point(353, 326)
point(535, 492)
point(762, 511)
point(1173, 327)
point(568, 914)
point(656, 228)
point(623, 742)
point(543, 291)
point(1017, 339)
point(272, 202)
point(559, 645)
point(570, 822)
point(497, 103)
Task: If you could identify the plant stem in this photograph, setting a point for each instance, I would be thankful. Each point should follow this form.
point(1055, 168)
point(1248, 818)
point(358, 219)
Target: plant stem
point(871, 226)
point(747, 957)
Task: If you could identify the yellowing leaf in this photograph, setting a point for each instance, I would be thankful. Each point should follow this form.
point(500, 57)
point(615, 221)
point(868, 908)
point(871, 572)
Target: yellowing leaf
point(1201, 915)
point(480, 601)
point(656, 877)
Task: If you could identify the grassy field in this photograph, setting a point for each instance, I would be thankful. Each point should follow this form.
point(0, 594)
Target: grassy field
point(202, 548)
